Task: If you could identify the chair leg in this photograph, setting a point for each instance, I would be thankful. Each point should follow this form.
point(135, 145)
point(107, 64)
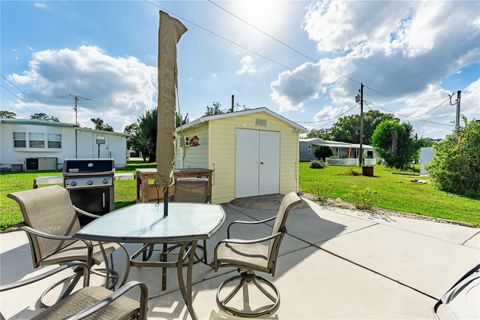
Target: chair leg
point(244, 279)
point(74, 280)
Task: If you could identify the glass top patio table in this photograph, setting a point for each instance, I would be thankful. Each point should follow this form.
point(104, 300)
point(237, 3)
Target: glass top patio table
point(145, 223)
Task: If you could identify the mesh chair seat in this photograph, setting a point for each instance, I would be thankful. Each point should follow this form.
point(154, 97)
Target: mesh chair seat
point(78, 251)
point(254, 256)
point(122, 308)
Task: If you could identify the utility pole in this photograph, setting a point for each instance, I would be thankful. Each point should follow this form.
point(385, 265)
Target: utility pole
point(76, 99)
point(457, 105)
point(360, 157)
point(75, 108)
point(457, 119)
point(233, 104)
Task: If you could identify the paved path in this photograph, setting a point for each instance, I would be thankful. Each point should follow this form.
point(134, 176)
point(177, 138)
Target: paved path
point(334, 263)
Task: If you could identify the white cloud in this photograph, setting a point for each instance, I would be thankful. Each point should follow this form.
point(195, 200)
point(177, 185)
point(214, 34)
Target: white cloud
point(122, 87)
point(399, 48)
point(247, 66)
point(214, 75)
point(330, 112)
point(41, 5)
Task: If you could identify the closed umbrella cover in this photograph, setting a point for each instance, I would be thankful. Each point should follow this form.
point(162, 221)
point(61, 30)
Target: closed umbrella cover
point(169, 33)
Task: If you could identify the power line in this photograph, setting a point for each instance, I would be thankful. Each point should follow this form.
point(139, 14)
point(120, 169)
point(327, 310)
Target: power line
point(19, 90)
point(263, 32)
point(430, 110)
point(276, 62)
point(326, 120)
point(394, 113)
point(290, 47)
point(8, 89)
point(235, 43)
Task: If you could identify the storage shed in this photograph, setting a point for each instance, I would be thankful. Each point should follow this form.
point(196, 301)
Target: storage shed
point(252, 152)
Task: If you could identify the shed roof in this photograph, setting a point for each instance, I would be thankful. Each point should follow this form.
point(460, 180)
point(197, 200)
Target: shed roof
point(205, 119)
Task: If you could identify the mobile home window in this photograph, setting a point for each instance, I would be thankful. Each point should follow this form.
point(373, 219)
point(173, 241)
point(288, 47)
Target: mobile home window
point(54, 140)
point(309, 150)
point(36, 140)
point(19, 140)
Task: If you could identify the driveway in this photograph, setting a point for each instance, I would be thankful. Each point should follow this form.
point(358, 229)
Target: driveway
point(335, 263)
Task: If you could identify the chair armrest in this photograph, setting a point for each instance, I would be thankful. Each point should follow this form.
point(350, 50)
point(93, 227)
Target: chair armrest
point(240, 241)
point(114, 296)
point(44, 234)
point(21, 283)
point(247, 222)
point(85, 213)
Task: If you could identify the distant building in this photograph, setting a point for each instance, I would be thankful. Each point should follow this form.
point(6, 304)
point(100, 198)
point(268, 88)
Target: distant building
point(43, 145)
point(426, 156)
point(340, 150)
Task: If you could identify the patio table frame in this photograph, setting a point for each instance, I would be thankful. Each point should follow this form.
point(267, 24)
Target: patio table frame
point(187, 242)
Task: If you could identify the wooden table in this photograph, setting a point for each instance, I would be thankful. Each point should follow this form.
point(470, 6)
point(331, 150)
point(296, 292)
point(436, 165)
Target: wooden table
point(148, 192)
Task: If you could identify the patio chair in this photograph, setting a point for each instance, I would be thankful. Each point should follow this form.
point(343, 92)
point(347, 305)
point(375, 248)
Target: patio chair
point(254, 255)
point(50, 221)
point(90, 302)
point(187, 190)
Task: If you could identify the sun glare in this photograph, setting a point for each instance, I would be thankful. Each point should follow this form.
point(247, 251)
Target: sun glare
point(266, 15)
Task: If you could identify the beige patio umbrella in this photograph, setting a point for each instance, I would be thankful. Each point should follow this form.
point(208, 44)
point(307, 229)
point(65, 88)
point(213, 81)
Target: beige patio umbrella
point(169, 33)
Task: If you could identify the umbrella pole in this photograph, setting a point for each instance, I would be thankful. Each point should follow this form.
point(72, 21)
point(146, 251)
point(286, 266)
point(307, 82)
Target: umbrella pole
point(165, 248)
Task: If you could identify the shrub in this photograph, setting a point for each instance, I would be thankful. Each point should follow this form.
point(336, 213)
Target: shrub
point(321, 191)
point(362, 198)
point(317, 164)
point(323, 152)
point(456, 163)
point(354, 172)
point(393, 142)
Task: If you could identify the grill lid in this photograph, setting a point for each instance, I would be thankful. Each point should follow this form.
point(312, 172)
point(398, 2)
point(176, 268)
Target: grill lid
point(87, 166)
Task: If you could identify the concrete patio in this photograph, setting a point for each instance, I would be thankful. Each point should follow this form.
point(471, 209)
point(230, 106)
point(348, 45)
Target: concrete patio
point(335, 263)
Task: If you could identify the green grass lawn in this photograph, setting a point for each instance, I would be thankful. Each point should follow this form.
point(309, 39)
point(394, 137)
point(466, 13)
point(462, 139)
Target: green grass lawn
point(393, 191)
point(125, 192)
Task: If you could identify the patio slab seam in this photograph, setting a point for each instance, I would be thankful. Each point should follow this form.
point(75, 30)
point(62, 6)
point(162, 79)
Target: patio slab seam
point(400, 228)
point(351, 261)
point(368, 269)
point(470, 238)
point(321, 241)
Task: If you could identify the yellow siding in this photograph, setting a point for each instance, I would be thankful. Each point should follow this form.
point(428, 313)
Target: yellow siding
point(222, 133)
point(195, 157)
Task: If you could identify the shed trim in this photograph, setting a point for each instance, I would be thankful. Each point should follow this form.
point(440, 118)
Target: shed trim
point(204, 119)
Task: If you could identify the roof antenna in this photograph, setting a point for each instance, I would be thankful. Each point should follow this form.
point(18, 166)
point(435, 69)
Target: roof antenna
point(76, 99)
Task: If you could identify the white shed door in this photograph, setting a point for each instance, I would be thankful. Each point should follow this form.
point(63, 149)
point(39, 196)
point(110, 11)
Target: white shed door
point(269, 171)
point(257, 163)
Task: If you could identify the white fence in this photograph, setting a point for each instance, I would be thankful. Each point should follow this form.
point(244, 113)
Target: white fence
point(350, 162)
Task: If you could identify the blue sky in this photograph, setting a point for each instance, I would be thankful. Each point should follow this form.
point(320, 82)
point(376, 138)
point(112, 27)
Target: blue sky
point(107, 51)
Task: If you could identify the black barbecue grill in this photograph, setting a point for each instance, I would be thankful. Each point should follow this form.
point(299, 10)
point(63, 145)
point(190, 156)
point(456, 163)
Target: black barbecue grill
point(90, 183)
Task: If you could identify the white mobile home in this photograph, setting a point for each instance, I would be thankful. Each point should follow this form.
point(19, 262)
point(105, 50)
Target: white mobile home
point(43, 145)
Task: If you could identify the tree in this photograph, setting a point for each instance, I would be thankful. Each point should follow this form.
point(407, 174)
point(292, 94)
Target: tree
point(181, 121)
point(7, 114)
point(347, 129)
point(146, 140)
point(456, 163)
point(43, 116)
point(101, 125)
point(393, 141)
point(216, 108)
point(319, 133)
point(132, 131)
point(323, 152)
